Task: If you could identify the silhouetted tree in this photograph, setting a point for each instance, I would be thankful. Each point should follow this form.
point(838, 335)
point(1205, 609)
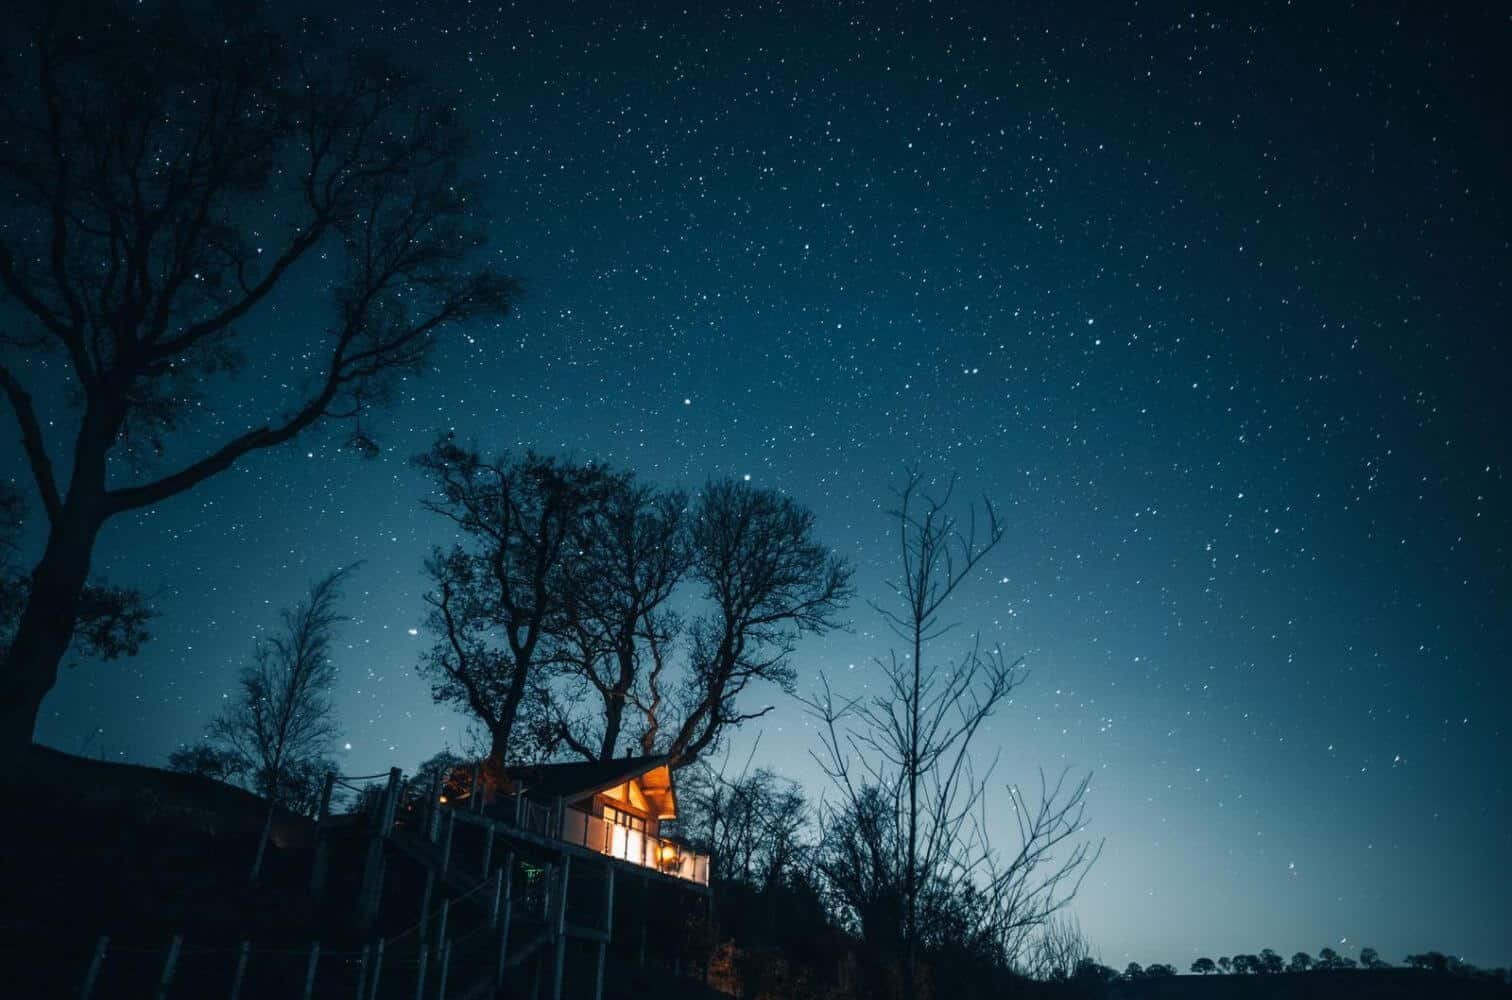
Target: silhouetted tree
point(1159, 970)
point(631, 551)
point(1226, 964)
point(753, 824)
point(1204, 967)
point(207, 761)
point(446, 774)
point(163, 176)
point(110, 621)
point(769, 581)
point(1429, 961)
point(906, 846)
point(1133, 972)
point(282, 723)
point(1328, 959)
point(1300, 962)
point(1057, 950)
point(497, 597)
point(1270, 962)
point(1090, 971)
point(1246, 964)
point(1371, 959)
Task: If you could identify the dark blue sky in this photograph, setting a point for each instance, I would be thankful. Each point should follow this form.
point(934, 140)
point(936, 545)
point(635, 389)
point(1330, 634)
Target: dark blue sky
point(1213, 305)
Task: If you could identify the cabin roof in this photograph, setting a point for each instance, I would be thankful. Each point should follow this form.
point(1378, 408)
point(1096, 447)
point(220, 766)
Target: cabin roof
point(580, 779)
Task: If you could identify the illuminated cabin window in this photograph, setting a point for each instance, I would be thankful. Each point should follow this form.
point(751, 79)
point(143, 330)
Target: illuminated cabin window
point(621, 818)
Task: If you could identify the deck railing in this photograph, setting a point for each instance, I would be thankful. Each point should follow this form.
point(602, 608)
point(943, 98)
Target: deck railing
point(639, 848)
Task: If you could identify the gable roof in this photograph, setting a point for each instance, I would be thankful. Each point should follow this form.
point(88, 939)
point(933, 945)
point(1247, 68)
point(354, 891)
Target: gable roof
point(579, 779)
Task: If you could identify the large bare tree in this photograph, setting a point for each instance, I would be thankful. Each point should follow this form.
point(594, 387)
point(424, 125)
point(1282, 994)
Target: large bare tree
point(630, 554)
point(768, 582)
point(908, 852)
point(498, 596)
point(162, 182)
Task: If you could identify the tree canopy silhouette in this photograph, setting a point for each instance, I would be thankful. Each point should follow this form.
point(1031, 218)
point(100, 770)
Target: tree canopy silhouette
point(498, 596)
point(163, 181)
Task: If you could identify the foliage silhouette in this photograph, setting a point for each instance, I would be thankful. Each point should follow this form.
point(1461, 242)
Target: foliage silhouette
point(165, 178)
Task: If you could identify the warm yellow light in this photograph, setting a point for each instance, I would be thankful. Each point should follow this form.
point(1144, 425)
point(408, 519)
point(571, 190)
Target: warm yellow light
point(443, 800)
point(668, 852)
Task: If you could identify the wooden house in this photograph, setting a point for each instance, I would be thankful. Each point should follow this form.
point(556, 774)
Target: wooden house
point(615, 807)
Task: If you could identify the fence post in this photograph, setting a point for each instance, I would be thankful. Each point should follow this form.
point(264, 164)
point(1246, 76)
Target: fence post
point(433, 809)
point(372, 993)
point(310, 966)
point(95, 961)
point(645, 915)
point(170, 965)
point(391, 800)
point(445, 966)
point(488, 847)
point(559, 923)
point(441, 927)
point(477, 783)
point(446, 844)
point(498, 889)
point(425, 901)
point(362, 973)
point(504, 920)
point(420, 964)
point(241, 968)
point(322, 848)
point(598, 977)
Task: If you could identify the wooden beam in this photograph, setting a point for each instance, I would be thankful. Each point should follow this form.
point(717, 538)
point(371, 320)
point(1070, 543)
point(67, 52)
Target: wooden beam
point(310, 966)
point(92, 974)
point(560, 921)
point(603, 945)
point(170, 966)
point(509, 867)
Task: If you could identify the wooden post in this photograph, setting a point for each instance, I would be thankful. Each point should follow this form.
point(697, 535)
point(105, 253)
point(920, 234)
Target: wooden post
point(446, 844)
point(391, 799)
point(441, 927)
point(372, 993)
point(241, 968)
point(477, 784)
point(645, 915)
point(371, 892)
point(420, 972)
point(362, 973)
point(493, 909)
point(488, 847)
point(322, 847)
point(559, 923)
point(170, 965)
point(92, 974)
point(433, 810)
point(598, 976)
point(310, 966)
point(425, 902)
point(445, 968)
point(504, 920)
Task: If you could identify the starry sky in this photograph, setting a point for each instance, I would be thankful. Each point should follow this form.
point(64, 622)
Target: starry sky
point(1213, 305)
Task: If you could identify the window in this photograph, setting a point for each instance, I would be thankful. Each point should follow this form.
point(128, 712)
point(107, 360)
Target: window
point(621, 818)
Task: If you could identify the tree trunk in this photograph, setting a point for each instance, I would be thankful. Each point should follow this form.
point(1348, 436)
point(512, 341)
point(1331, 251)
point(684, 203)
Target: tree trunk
point(614, 711)
point(46, 627)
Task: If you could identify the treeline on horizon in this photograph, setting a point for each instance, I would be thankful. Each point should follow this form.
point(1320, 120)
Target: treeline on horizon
point(1269, 962)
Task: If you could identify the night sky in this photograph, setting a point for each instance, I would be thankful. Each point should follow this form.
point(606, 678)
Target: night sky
point(1214, 306)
